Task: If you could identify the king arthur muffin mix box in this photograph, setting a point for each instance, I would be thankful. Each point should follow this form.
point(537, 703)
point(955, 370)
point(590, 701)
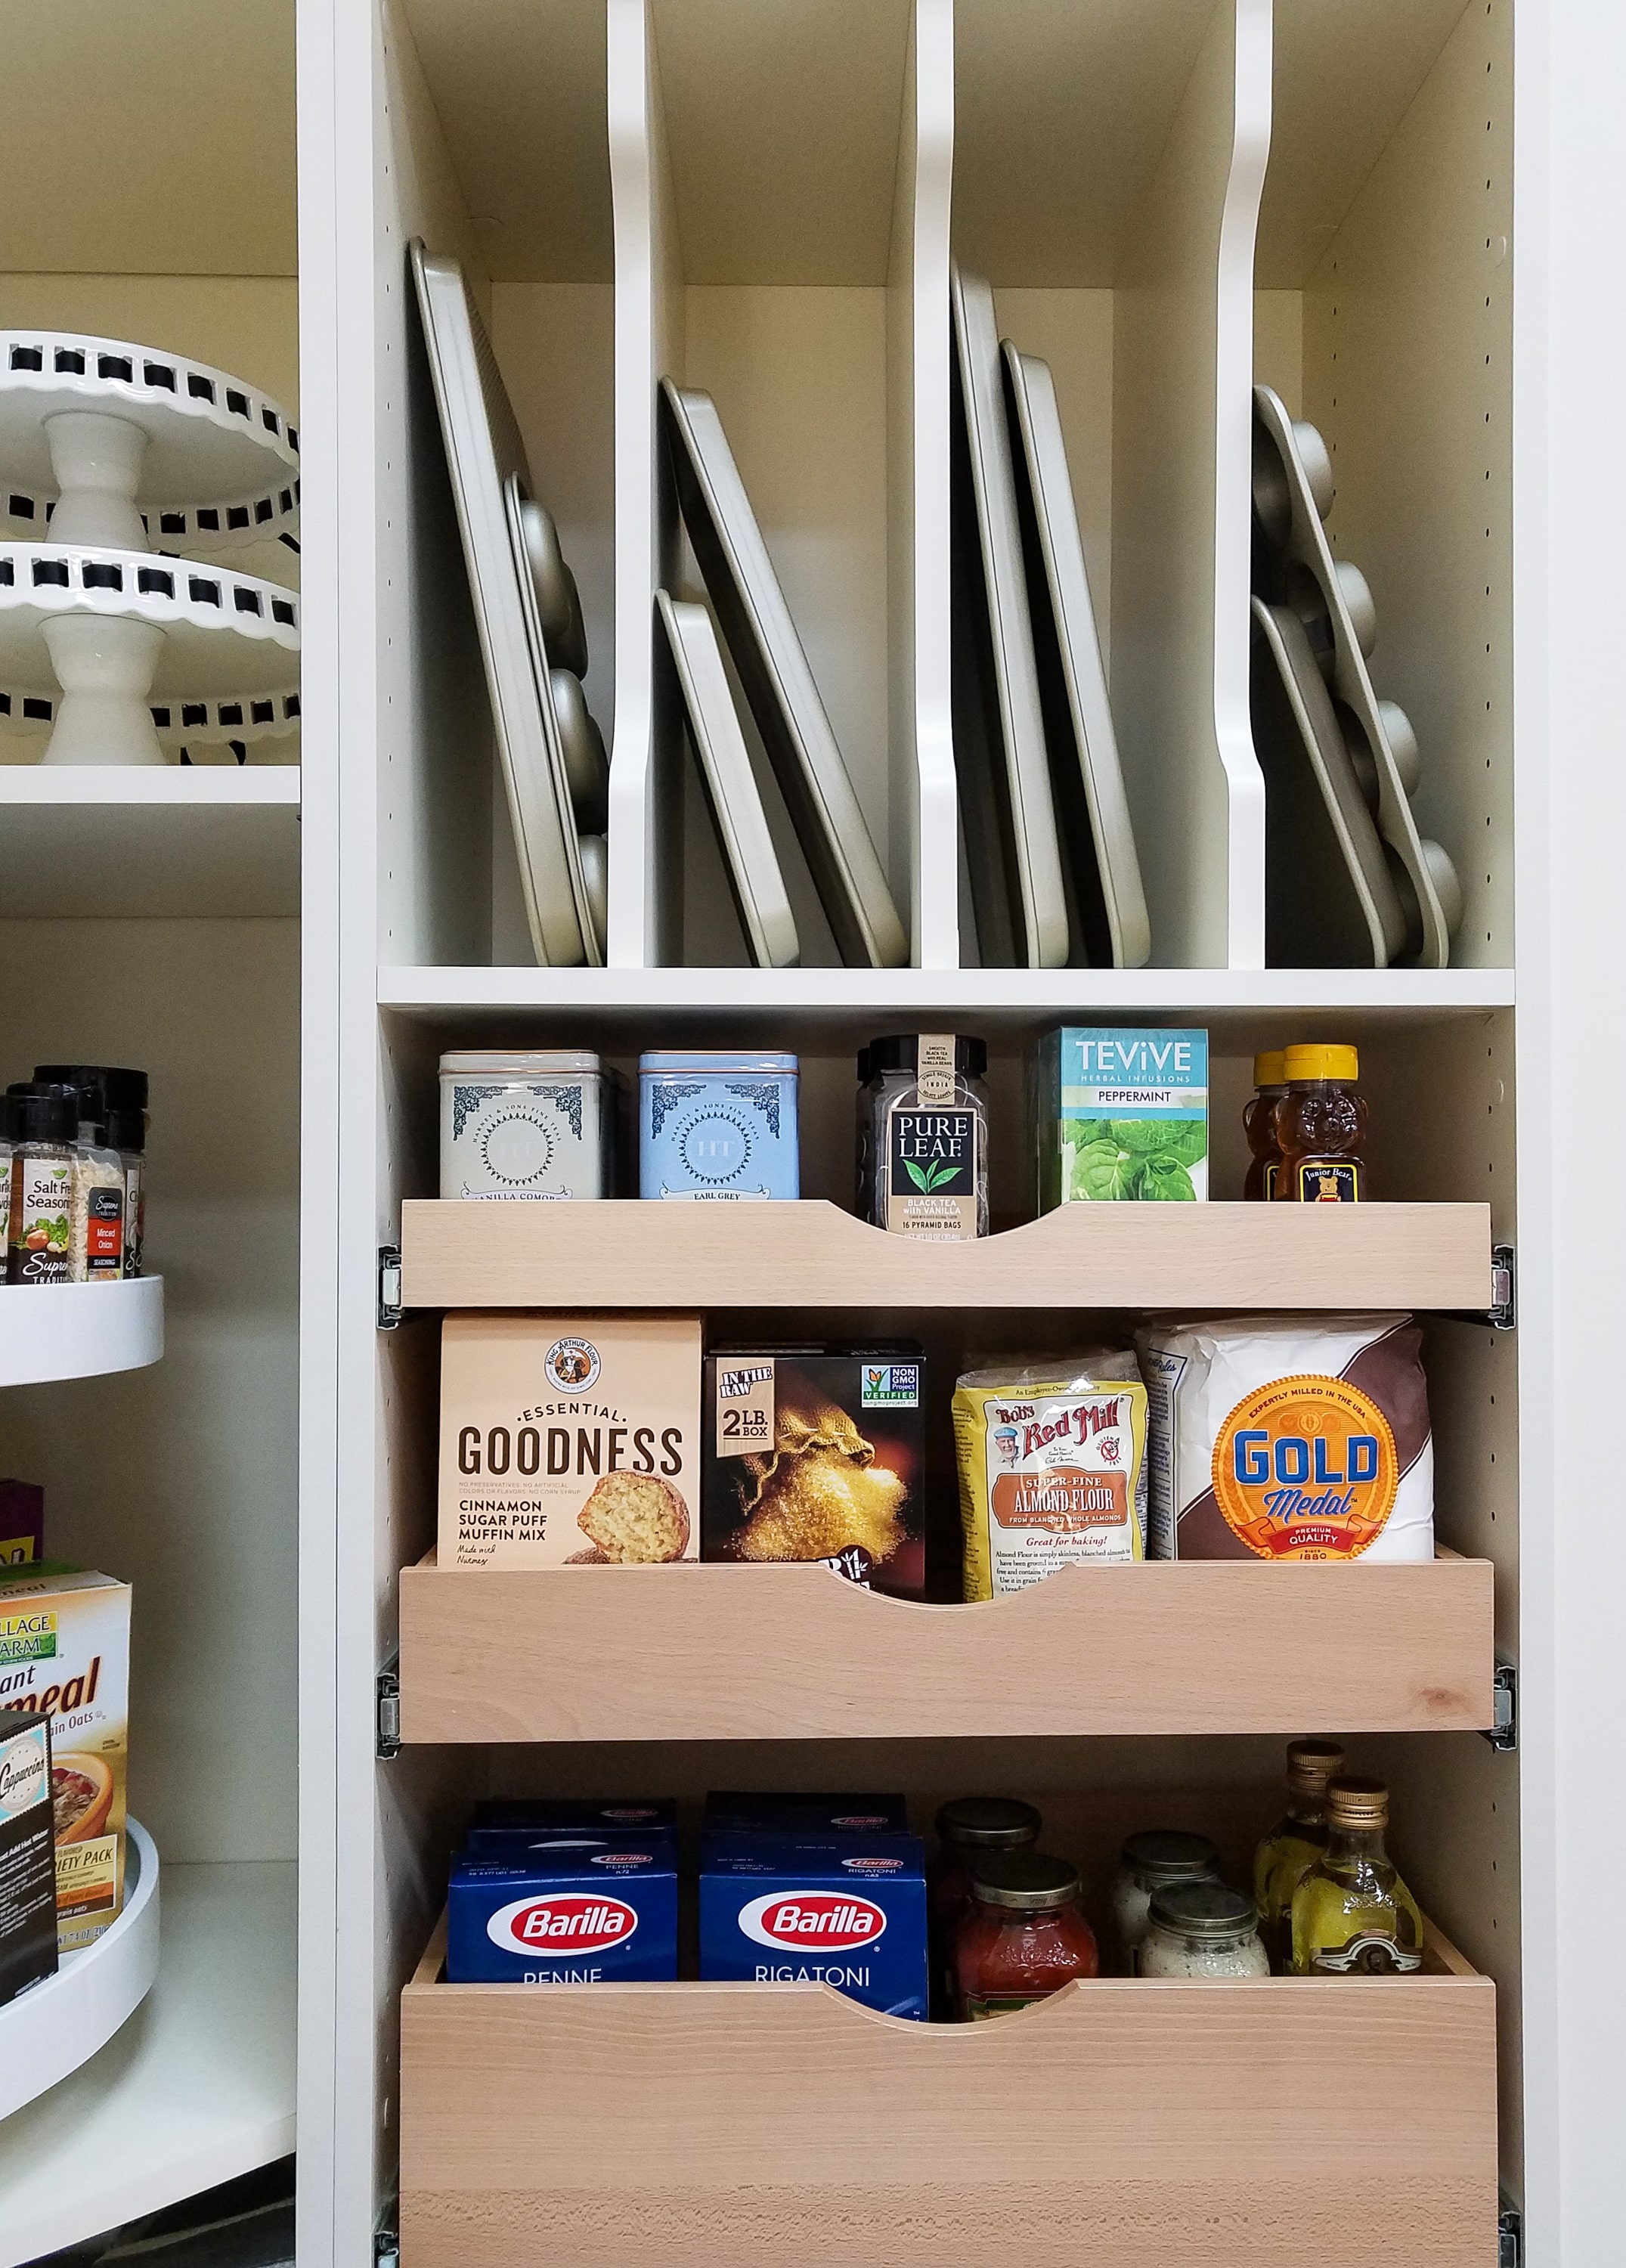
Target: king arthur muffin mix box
point(64, 1650)
point(569, 1440)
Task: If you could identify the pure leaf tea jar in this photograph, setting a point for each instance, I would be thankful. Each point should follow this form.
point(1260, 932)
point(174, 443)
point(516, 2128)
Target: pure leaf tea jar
point(923, 1152)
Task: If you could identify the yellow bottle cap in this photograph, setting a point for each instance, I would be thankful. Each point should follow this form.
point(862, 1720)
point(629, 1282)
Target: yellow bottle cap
point(1321, 1062)
point(1267, 1069)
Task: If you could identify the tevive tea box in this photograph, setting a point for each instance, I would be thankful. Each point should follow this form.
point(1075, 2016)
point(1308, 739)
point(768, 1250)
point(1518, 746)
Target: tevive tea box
point(1121, 1115)
point(64, 1650)
point(27, 1871)
point(817, 1453)
point(569, 1440)
point(561, 1915)
point(796, 1908)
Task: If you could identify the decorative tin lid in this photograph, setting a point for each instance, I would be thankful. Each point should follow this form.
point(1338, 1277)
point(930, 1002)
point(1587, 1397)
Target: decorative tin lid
point(719, 1063)
point(522, 1063)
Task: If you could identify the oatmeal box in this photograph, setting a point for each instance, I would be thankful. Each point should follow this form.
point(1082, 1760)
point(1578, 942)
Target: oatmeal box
point(569, 1440)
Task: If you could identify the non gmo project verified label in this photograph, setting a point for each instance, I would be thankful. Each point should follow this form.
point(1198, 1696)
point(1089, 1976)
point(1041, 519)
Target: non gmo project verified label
point(889, 1386)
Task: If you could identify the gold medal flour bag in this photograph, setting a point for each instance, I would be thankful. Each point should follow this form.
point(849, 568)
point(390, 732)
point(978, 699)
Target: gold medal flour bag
point(1052, 1467)
point(1289, 1437)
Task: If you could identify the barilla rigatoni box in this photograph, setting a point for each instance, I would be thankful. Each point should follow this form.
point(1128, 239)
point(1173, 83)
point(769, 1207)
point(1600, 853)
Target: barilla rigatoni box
point(775, 1811)
point(848, 1911)
point(569, 1440)
point(64, 1650)
point(1121, 1115)
point(550, 1815)
point(565, 1916)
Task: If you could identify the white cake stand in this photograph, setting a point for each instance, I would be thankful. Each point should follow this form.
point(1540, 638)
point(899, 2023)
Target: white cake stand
point(125, 446)
point(139, 644)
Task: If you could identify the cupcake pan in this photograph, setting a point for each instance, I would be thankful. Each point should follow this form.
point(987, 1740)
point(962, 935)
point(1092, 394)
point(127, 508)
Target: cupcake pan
point(1354, 735)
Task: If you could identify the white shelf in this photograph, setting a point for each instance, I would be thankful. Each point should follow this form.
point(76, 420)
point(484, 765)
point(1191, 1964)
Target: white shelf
point(78, 1330)
point(51, 2030)
point(197, 2088)
point(133, 840)
point(1023, 998)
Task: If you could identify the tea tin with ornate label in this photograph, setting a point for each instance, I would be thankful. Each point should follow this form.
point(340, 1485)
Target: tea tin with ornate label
point(536, 1122)
point(718, 1125)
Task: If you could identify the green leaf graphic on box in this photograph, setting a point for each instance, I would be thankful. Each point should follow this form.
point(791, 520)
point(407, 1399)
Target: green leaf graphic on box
point(1103, 1173)
point(1083, 1131)
point(928, 1178)
point(1185, 1138)
point(1163, 1180)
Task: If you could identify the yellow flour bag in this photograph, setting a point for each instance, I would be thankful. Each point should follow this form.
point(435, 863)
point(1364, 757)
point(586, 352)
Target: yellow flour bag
point(1052, 1467)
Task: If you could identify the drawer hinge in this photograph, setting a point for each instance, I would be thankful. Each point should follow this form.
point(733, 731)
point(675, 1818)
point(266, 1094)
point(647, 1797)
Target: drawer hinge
point(1503, 1313)
point(1510, 2237)
point(386, 1704)
point(386, 2248)
point(389, 1286)
point(1503, 1733)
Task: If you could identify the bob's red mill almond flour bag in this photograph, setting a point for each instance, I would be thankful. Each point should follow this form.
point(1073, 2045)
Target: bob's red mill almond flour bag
point(569, 1440)
point(1052, 1467)
point(1289, 1437)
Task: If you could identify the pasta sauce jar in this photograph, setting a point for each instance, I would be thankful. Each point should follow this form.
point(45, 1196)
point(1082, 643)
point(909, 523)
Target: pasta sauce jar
point(1023, 1936)
point(969, 1829)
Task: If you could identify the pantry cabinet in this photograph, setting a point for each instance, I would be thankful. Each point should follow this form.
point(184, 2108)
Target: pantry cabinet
point(1399, 215)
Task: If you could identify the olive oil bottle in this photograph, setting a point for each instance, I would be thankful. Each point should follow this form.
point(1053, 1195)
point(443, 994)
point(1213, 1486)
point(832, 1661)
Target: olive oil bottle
point(1352, 1914)
point(1294, 1844)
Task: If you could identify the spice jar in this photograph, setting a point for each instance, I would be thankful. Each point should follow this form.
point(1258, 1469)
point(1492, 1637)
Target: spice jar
point(1258, 1125)
point(1154, 1860)
point(45, 1124)
point(1201, 1929)
point(127, 1132)
point(116, 1097)
point(1023, 1936)
point(1320, 1127)
point(924, 1134)
point(968, 1831)
point(96, 1241)
point(6, 1182)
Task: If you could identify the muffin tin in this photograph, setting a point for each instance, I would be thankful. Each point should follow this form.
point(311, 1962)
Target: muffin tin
point(1348, 879)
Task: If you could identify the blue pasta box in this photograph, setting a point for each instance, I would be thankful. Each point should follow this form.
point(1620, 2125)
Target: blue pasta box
point(773, 1812)
point(552, 1915)
point(553, 1814)
point(1121, 1115)
point(717, 1126)
point(796, 1909)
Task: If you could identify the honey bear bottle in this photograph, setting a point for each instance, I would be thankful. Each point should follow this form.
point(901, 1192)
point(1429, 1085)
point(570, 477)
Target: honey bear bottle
point(1258, 1125)
point(1321, 1128)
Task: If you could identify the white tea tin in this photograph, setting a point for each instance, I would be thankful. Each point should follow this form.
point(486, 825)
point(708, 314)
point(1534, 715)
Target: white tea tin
point(536, 1123)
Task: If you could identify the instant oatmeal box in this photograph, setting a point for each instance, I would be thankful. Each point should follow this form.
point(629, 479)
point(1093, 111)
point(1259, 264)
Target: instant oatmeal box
point(64, 1649)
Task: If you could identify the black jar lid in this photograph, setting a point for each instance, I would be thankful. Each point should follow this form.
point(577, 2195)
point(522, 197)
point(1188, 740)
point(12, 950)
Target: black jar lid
point(1204, 1911)
point(121, 1090)
point(989, 1822)
point(43, 1110)
point(127, 1129)
point(901, 1051)
point(1024, 1882)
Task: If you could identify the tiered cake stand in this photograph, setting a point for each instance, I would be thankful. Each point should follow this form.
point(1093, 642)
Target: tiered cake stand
point(109, 455)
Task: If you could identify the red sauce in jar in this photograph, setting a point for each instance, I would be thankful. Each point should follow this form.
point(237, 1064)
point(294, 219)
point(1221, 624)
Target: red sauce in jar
point(969, 1829)
point(1023, 1936)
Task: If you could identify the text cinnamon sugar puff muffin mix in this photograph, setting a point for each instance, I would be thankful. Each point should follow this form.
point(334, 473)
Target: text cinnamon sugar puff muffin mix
point(569, 1440)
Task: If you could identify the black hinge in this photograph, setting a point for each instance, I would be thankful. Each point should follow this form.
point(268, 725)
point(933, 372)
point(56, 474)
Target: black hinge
point(386, 2249)
point(1503, 1314)
point(389, 1286)
point(1503, 1733)
point(1510, 2237)
point(386, 1701)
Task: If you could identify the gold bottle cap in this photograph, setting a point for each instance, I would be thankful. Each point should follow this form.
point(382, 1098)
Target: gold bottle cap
point(1355, 1803)
point(1321, 1062)
point(1268, 1069)
point(1311, 1765)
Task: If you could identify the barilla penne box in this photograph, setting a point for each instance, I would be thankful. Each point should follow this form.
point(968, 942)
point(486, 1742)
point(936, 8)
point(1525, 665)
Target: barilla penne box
point(848, 1911)
point(64, 1650)
point(569, 1440)
point(548, 1814)
point(561, 1915)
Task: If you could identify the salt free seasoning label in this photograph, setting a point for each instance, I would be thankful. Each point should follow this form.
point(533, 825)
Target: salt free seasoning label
point(569, 1440)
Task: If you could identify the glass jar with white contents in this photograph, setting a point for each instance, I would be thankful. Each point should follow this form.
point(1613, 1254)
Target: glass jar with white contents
point(1155, 1860)
point(528, 1123)
point(1201, 1929)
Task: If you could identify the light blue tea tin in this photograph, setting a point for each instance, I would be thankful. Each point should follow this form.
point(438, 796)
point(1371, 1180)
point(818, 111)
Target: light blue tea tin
point(718, 1124)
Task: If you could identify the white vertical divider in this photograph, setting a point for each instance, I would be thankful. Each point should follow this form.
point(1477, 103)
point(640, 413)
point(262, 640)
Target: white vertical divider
point(648, 346)
point(1181, 419)
point(925, 826)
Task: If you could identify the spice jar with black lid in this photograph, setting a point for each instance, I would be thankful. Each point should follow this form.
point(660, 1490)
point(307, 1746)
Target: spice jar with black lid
point(118, 1103)
point(922, 1135)
point(44, 1127)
